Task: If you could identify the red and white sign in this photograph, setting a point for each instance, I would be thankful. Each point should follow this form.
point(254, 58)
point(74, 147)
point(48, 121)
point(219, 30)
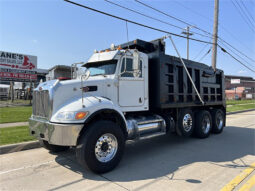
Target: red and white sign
point(17, 61)
point(18, 76)
point(235, 81)
point(17, 67)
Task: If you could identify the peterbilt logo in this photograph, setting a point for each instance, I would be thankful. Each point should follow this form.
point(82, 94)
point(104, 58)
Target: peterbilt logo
point(40, 88)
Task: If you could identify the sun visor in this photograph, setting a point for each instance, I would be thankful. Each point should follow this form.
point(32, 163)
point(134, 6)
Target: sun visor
point(103, 56)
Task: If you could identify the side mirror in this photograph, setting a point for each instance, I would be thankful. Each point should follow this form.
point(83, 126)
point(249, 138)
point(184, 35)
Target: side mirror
point(136, 61)
point(86, 75)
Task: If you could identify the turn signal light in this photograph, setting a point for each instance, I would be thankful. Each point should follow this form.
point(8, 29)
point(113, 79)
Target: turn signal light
point(81, 115)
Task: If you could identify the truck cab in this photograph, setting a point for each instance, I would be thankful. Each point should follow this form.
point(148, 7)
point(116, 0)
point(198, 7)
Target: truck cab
point(128, 92)
point(121, 74)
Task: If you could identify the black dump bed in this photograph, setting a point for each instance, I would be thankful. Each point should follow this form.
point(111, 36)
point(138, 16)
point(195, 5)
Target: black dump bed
point(169, 84)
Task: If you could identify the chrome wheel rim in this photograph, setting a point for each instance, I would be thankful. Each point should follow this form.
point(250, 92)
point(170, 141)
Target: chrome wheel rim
point(219, 121)
point(206, 125)
point(187, 122)
point(106, 147)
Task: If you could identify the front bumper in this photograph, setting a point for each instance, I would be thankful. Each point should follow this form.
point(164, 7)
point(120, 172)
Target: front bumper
point(55, 133)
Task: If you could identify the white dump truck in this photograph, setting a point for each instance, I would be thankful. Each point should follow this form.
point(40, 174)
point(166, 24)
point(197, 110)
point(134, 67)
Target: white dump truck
point(132, 91)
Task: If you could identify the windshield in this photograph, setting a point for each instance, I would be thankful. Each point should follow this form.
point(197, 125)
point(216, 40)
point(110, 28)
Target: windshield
point(102, 68)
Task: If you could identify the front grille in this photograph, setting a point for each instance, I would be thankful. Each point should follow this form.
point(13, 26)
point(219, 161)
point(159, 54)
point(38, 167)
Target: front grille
point(41, 103)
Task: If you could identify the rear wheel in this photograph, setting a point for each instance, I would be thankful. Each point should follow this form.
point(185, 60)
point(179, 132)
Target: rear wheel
point(185, 124)
point(218, 121)
point(101, 147)
point(53, 148)
point(203, 124)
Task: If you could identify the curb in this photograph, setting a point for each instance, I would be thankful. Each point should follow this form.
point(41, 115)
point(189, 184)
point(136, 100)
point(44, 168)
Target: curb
point(19, 147)
point(35, 144)
point(16, 124)
point(234, 112)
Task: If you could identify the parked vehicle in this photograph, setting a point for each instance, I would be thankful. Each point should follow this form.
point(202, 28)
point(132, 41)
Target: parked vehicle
point(4, 90)
point(129, 92)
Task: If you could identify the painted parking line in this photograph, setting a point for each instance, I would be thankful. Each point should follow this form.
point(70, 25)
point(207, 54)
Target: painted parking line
point(249, 184)
point(239, 178)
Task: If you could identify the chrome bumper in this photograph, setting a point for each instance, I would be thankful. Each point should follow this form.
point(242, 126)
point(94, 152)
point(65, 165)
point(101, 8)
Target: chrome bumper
point(54, 133)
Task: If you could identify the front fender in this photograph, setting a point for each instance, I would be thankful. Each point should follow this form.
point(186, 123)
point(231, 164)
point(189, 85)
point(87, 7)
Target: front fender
point(92, 105)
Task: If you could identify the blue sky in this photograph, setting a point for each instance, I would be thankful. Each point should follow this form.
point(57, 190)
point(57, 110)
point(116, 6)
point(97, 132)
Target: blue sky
point(61, 33)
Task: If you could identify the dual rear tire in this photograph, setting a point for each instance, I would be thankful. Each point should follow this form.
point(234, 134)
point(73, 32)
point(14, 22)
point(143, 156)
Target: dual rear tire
point(200, 123)
point(203, 125)
point(218, 121)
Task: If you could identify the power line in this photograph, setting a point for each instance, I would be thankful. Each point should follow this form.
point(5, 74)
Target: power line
point(244, 12)
point(192, 10)
point(247, 10)
point(244, 18)
point(168, 15)
point(205, 55)
point(133, 22)
point(156, 29)
point(200, 52)
point(225, 29)
point(146, 5)
point(236, 50)
point(143, 14)
point(250, 64)
point(223, 50)
point(159, 20)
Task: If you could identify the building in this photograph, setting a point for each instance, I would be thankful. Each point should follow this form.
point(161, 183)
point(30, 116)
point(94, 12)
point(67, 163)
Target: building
point(59, 71)
point(239, 87)
point(41, 75)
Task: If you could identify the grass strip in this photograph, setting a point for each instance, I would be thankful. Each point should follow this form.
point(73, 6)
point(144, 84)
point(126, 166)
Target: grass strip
point(11, 135)
point(15, 114)
point(240, 107)
point(236, 102)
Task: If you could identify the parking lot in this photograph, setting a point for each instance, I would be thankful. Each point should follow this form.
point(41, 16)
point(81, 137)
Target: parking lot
point(162, 163)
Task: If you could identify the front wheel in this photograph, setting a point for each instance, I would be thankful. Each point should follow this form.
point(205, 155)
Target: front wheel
point(101, 147)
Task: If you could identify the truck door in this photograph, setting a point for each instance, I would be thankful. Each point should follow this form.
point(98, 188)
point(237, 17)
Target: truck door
point(131, 86)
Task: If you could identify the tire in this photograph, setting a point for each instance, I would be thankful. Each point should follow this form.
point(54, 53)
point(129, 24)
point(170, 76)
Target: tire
point(94, 141)
point(185, 124)
point(218, 121)
point(53, 148)
point(203, 124)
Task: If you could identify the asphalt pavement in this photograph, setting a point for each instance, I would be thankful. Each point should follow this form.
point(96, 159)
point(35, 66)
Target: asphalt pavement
point(162, 163)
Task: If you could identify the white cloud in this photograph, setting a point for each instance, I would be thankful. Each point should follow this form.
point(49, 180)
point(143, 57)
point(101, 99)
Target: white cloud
point(35, 41)
point(242, 72)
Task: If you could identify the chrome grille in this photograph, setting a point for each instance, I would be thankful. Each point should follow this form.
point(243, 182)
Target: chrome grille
point(41, 103)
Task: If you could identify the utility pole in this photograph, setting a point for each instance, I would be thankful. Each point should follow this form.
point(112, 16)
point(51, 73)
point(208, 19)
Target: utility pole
point(12, 91)
point(215, 34)
point(186, 32)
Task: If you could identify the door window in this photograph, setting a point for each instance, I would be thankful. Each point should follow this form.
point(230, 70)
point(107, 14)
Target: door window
point(128, 71)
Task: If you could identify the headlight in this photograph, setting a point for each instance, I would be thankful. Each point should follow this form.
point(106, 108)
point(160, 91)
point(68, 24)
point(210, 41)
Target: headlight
point(71, 116)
